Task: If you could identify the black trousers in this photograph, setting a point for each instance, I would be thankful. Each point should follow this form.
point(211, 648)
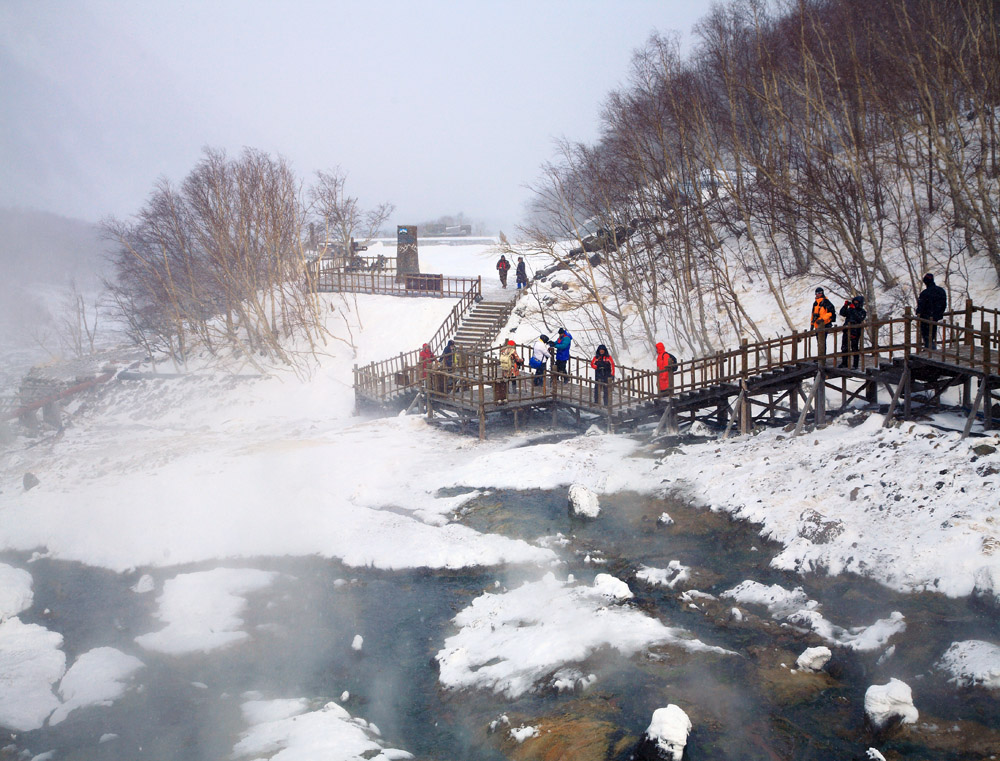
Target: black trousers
point(928, 335)
point(539, 375)
point(851, 342)
point(602, 383)
point(561, 369)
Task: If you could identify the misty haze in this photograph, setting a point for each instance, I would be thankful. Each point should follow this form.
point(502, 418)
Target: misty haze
point(499, 381)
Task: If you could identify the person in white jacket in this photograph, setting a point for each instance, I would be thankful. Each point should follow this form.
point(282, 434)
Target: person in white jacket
point(539, 357)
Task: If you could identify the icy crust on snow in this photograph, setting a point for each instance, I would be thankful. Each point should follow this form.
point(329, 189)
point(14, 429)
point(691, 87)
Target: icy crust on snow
point(796, 609)
point(203, 610)
point(511, 642)
point(97, 677)
point(287, 730)
point(31, 662)
point(972, 662)
point(668, 577)
point(15, 591)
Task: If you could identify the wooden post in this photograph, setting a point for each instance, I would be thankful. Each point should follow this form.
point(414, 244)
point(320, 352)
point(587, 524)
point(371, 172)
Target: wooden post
point(903, 380)
point(427, 395)
point(907, 332)
point(743, 358)
point(809, 403)
point(357, 401)
point(482, 420)
point(795, 346)
point(793, 399)
point(969, 337)
point(821, 399)
point(745, 410)
point(975, 406)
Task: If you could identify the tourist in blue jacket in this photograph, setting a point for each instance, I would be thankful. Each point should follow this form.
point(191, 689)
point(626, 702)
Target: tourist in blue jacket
point(561, 346)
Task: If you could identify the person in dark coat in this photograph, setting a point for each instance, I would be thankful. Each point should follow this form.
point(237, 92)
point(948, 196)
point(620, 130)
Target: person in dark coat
point(502, 267)
point(604, 371)
point(822, 318)
point(448, 355)
point(522, 273)
point(854, 314)
point(931, 305)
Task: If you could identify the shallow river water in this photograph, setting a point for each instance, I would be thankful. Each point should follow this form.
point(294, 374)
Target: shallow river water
point(748, 706)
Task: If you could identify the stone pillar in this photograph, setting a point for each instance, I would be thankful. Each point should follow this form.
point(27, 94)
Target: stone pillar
point(407, 261)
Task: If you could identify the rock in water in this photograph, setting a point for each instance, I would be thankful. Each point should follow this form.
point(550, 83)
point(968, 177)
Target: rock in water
point(813, 659)
point(583, 502)
point(666, 735)
point(30, 481)
point(885, 703)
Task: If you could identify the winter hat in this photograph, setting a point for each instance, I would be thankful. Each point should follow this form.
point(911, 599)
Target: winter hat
point(819, 291)
point(859, 300)
point(562, 331)
point(510, 342)
point(545, 338)
point(928, 278)
point(659, 348)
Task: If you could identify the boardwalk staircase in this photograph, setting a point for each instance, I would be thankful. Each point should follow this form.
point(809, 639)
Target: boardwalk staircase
point(479, 328)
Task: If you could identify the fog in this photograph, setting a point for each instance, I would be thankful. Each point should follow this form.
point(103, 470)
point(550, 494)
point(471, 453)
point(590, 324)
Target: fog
point(439, 107)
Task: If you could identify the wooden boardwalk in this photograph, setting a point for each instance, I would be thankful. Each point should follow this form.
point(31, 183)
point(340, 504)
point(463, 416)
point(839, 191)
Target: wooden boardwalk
point(755, 383)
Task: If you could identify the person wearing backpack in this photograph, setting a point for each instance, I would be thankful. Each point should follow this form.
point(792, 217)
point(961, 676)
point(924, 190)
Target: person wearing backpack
point(604, 372)
point(823, 317)
point(665, 363)
point(502, 267)
point(539, 357)
point(510, 363)
point(854, 314)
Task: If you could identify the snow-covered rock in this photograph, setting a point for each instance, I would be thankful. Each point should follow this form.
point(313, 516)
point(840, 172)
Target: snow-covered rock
point(665, 519)
point(873, 755)
point(583, 502)
point(667, 735)
point(609, 586)
point(813, 659)
point(357, 643)
point(887, 702)
point(669, 577)
point(972, 662)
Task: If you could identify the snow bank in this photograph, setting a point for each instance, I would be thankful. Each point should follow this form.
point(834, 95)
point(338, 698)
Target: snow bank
point(907, 506)
point(288, 730)
point(972, 662)
point(98, 677)
point(202, 610)
point(886, 702)
point(31, 662)
point(510, 642)
point(15, 591)
point(668, 731)
point(813, 659)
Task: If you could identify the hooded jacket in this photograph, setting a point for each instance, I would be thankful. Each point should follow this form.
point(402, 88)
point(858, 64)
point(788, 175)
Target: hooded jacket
point(665, 362)
point(603, 364)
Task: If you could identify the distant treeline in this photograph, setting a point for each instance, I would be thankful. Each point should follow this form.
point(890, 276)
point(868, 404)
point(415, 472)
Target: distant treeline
point(853, 139)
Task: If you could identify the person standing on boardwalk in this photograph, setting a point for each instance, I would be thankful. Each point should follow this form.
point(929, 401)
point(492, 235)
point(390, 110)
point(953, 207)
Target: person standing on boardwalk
point(854, 314)
point(665, 362)
point(426, 357)
point(522, 273)
point(561, 346)
point(604, 372)
point(510, 362)
point(502, 267)
point(823, 317)
point(539, 357)
point(931, 305)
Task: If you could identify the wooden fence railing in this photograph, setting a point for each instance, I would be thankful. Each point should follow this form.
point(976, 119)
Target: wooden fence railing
point(329, 276)
point(968, 338)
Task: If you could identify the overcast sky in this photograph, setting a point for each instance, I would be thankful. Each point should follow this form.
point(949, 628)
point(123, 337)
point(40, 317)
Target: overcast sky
point(437, 107)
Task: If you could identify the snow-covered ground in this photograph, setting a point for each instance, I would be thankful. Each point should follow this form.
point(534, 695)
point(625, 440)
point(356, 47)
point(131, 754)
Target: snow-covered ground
point(161, 473)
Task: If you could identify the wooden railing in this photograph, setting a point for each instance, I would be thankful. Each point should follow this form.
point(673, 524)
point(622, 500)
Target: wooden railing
point(328, 276)
point(965, 338)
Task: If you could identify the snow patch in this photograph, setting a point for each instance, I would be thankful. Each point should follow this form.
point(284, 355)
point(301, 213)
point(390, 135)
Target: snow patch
point(203, 610)
point(669, 730)
point(15, 591)
point(972, 662)
point(669, 577)
point(97, 677)
point(509, 642)
point(583, 503)
point(813, 659)
point(31, 662)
